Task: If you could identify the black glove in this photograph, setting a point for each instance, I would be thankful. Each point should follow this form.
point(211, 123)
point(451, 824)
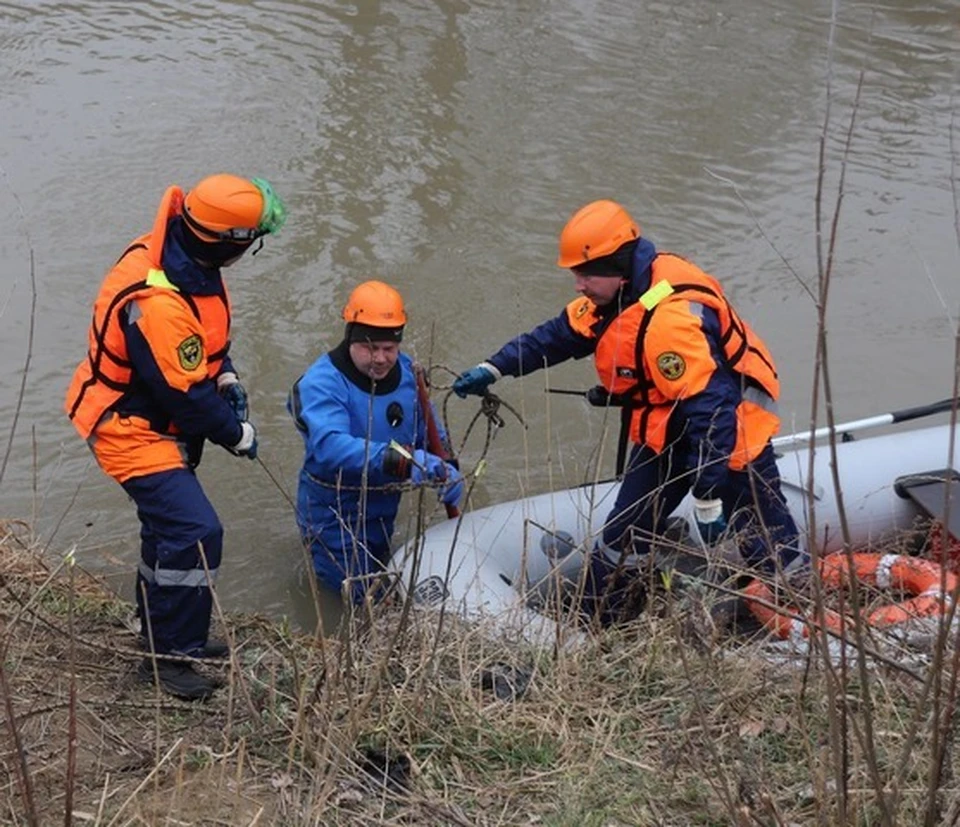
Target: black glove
point(598, 396)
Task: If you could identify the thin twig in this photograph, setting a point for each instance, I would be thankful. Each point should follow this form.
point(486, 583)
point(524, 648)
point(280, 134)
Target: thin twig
point(33, 316)
point(26, 368)
point(147, 780)
point(786, 263)
point(944, 733)
point(24, 777)
point(71, 779)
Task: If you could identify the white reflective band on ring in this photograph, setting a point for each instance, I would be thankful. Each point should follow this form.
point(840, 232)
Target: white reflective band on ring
point(798, 631)
point(935, 591)
point(188, 578)
point(884, 575)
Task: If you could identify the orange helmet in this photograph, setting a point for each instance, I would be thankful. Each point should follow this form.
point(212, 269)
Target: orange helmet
point(228, 208)
point(375, 304)
point(596, 230)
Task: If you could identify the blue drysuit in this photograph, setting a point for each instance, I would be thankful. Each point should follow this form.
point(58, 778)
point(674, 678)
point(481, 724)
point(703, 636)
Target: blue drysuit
point(346, 503)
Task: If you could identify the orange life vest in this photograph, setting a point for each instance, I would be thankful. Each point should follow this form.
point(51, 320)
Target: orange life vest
point(103, 377)
point(653, 354)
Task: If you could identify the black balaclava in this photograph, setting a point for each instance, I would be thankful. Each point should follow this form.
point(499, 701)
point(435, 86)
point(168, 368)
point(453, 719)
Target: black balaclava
point(619, 263)
point(211, 253)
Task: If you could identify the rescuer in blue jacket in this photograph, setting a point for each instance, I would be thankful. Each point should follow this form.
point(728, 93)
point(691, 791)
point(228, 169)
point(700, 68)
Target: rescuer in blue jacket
point(698, 390)
point(364, 434)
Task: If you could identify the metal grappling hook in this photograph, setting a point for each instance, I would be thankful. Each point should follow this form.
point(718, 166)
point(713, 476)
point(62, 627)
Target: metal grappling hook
point(490, 408)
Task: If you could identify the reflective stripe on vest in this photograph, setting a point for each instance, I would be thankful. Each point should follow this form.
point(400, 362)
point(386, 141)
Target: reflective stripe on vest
point(620, 362)
point(761, 399)
point(157, 278)
point(185, 578)
point(656, 294)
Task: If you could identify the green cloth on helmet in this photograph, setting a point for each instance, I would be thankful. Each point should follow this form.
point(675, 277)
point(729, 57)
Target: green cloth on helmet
point(274, 214)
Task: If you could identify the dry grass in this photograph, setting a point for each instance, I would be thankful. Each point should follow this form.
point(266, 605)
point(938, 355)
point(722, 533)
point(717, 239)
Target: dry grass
point(640, 725)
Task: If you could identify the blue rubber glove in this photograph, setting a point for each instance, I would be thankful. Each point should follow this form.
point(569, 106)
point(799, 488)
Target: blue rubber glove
point(247, 446)
point(453, 491)
point(475, 381)
point(710, 520)
point(234, 394)
point(427, 468)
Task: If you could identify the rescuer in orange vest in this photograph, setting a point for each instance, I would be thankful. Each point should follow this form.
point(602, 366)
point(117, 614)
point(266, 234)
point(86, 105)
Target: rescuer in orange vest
point(698, 390)
point(156, 383)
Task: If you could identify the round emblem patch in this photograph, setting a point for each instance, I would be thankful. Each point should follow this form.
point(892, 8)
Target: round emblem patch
point(671, 365)
point(190, 352)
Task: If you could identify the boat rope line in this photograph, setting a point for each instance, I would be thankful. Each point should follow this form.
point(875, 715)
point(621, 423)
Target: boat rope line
point(931, 590)
point(490, 405)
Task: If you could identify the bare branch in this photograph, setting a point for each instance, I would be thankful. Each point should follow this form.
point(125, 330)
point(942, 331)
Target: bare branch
point(759, 226)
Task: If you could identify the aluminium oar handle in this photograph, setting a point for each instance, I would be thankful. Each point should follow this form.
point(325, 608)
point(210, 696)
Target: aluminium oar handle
point(890, 418)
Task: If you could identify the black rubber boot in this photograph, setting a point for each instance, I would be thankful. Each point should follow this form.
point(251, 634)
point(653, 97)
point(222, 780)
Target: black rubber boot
point(178, 679)
point(211, 649)
point(215, 649)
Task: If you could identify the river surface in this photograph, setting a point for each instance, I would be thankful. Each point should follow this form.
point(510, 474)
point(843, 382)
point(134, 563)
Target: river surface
point(440, 146)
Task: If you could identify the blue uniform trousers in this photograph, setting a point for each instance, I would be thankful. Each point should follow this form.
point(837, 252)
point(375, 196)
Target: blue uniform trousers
point(652, 488)
point(176, 518)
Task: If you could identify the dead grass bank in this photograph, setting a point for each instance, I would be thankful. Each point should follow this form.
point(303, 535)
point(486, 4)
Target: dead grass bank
point(646, 725)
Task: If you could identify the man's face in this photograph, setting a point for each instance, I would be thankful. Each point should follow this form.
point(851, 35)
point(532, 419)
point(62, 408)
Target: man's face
point(374, 359)
point(601, 290)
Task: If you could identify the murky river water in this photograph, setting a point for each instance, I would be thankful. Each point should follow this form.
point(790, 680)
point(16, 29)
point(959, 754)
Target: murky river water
point(441, 145)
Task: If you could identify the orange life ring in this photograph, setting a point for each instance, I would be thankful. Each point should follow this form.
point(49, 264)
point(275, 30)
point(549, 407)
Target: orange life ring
point(932, 588)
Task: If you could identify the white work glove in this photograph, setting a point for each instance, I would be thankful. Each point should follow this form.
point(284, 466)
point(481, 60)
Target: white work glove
point(247, 446)
point(710, 520)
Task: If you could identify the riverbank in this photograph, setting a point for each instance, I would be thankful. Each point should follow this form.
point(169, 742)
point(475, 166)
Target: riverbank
point(659, 723)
